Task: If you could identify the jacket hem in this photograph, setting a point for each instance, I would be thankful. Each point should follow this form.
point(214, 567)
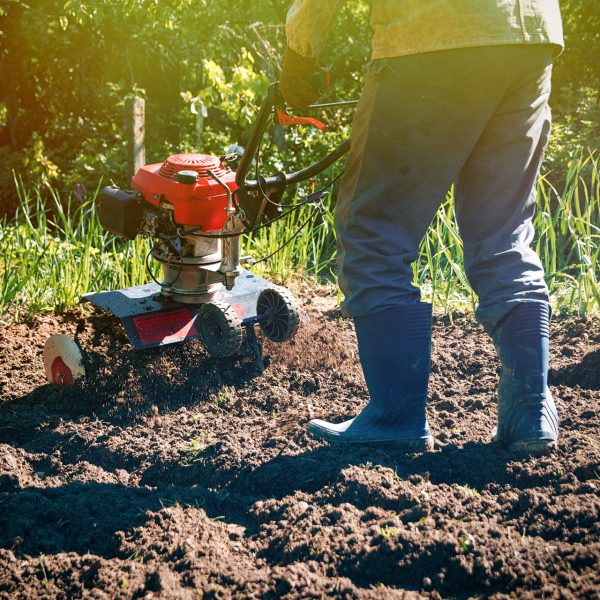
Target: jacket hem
point(393, 51)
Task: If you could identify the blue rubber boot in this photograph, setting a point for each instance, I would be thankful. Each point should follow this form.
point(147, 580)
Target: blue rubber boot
point(394, 347)
point(527, 417)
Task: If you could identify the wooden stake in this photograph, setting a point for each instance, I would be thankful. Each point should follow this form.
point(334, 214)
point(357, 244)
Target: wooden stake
point(135, 109)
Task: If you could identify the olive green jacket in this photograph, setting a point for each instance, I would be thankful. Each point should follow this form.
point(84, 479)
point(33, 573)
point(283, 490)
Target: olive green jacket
point(403, 27)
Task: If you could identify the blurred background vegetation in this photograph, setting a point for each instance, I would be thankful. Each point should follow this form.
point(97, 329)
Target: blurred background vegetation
point(66, 68)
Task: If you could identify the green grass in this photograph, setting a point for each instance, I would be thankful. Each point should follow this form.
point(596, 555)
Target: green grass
point(53, 251)
point(48, 262)
point(567, 223)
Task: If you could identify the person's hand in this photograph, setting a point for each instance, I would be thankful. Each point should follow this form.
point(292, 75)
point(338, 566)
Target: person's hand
point(302, 81)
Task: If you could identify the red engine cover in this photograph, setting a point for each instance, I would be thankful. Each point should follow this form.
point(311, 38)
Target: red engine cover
point(202, 204)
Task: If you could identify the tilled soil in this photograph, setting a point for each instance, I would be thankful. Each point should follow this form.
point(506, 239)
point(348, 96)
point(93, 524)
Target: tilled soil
point(170, 474)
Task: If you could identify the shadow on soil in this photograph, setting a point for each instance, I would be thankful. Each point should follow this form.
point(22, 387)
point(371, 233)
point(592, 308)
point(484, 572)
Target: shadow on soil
point(86, 516)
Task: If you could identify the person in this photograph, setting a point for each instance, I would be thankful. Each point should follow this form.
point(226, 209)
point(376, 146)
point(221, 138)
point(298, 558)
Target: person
point(456, 92)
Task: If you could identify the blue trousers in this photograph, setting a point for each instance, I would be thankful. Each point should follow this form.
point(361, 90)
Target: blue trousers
point(475, 117)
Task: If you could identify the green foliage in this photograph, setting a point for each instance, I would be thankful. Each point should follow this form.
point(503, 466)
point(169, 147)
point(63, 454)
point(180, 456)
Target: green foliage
point(568, 242)
point(466, 543)
point(51, 254)
point(202, 67)
point(388, 532)
point(67, 67)
point(578, 66)
point(576, 81)
point(576, 128)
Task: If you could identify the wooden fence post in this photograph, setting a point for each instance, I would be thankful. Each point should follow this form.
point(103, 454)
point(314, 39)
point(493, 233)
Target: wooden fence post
point(135, 130)
point(198, 108)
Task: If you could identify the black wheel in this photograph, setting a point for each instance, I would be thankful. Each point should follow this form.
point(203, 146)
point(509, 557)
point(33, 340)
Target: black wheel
point(277, 312)
point(220, 329)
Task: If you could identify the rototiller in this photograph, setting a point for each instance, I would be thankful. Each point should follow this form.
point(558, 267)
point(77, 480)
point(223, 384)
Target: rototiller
point(196, 208)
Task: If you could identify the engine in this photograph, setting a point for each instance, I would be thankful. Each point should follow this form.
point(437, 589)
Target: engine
point(186, 204)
